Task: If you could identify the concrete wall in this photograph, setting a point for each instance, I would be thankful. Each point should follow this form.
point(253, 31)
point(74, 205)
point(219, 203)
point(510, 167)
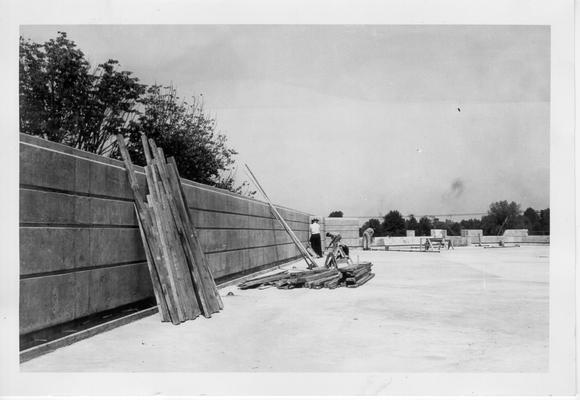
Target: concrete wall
point(80, 248)
point(438, 233)
point(515, 239)
point(459, 241)
point(413, 240)
point(516, 232)
point(346, 227)
point(472, 236)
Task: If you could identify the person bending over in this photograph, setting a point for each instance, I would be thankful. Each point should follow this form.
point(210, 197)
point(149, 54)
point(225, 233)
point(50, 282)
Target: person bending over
point(368, 238)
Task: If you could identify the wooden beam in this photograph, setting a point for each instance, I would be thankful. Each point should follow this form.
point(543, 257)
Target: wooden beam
point(307, 257)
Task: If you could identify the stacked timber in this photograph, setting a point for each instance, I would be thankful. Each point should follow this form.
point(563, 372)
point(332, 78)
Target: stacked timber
point(351, 276)
point(356, 275)
point(181, 276)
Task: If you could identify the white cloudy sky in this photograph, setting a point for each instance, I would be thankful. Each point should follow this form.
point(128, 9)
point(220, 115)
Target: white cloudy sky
point(362, 119)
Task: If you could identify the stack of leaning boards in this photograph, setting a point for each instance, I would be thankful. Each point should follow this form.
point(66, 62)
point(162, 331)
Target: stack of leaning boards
point(181, 276)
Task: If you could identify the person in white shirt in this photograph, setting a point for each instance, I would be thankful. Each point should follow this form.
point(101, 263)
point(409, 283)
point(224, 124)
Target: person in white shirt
point(315, 241)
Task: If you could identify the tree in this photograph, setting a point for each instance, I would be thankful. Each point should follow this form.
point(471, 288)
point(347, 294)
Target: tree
point(411, 224)
point(373, 223)
point(471, 223)
point(62, 100)
point(545, 221)
point(394, 224)
point(437, 224)
point(454, 228)
point(500, 212)
point(532, 220)
point(425, 226)
point(186, 132)
point(336, 214)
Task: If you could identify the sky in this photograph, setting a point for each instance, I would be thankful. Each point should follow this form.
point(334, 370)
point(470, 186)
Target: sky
point(364, 119)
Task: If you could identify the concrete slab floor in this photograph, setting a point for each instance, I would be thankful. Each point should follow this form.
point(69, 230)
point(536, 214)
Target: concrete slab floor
point(464, 310)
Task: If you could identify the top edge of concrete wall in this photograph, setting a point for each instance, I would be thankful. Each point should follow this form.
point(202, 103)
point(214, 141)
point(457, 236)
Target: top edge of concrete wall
point(341, 221)
point(62, 148)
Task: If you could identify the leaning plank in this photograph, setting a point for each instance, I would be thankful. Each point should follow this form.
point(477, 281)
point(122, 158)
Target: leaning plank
point(307, 257)
point(130, 172)
point(161, 268)
point(170, 187)
point(172, 263)
point(157, 290)
point(193, 238)
point(188, 298)
point(203, 290)
point(160, 230)
point(203, 284)
point(143, 213)
point(194, 291)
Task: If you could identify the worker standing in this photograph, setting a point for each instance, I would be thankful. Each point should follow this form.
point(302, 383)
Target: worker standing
point(315, 241)
point(368, 238)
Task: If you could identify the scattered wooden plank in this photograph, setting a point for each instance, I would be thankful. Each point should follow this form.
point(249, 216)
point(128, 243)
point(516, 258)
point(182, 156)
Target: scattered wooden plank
point(333, 283)
point(359, 273)
point(268, 279)
point(313, 279)
point(362, 281)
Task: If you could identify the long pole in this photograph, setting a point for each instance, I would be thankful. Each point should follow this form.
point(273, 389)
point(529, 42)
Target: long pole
point(309, 260)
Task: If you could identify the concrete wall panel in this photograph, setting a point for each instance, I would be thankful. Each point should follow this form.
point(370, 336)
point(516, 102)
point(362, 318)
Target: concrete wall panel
point(39, 207)
point(50, 300)
point(47, 249)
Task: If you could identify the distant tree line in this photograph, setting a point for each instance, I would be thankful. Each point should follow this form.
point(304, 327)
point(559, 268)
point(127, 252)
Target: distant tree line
point(64, 99)
point(501, 215)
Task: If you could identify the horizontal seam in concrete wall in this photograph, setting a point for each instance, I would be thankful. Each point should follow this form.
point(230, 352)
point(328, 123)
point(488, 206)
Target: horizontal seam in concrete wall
point(73, 193)
point(110, 226)
point(248, 248)
point(78, 155)
point(243, 214)
point(217, 228)
point(69, 225)
point(130, 200)
point(224, 279)
point(80, 269)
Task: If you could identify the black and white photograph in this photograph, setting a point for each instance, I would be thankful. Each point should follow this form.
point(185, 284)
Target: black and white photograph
point(282, 205)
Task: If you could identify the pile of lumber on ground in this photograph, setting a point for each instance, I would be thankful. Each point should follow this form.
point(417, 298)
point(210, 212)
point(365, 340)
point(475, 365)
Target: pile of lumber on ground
point(353, 275)
point(182, 280)
point(356, 275)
